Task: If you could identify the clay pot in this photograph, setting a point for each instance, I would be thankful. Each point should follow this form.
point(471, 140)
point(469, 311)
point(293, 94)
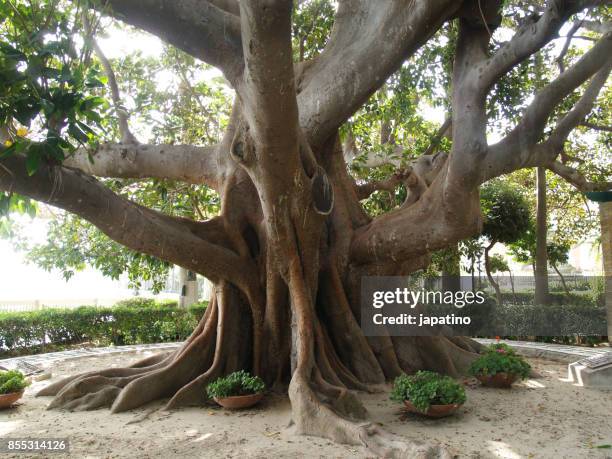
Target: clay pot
point(499, 380)
point(7, 400)
point(240, 401)
point(434, 411)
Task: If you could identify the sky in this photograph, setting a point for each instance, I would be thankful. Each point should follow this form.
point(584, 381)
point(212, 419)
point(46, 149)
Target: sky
point(25, 283)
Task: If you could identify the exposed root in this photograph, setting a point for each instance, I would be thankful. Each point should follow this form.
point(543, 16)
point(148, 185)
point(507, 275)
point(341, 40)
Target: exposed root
point(150, 379)
point(57, 387)
point(313, 417)
point(466, 343)
point(154, 359)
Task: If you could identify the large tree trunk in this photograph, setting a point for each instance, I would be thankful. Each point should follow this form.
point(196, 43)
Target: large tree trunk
point(605, 215)
point(541, 258)
point(302, 327)
point(299, 326)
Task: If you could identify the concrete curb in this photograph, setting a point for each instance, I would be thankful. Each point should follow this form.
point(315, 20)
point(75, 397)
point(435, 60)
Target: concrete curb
point(554, 352)
point(44, 360)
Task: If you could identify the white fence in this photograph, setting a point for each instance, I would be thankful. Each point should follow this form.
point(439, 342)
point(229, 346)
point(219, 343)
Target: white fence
point(38, 304)
point(34, 305)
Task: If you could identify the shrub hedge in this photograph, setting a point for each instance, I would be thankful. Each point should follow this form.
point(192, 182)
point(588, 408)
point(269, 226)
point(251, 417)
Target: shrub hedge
point(527, 298)
point(129, 322)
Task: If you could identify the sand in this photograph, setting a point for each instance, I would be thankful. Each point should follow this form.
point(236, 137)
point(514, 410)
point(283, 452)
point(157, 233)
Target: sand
point(540, 418)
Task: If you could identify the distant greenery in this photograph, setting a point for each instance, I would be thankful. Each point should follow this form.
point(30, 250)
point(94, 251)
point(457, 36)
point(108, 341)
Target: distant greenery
point(12, 381)
point(235, 384)
point(136, 321)
point(500, 358)
point(426, 388)
point(591, 299)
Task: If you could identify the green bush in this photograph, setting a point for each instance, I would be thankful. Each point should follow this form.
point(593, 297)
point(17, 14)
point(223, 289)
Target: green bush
point(140, 302)
point(129, 322)
point(235, 384)
point(592, 298)
point(500, 358)
point(427, 388)
point(549, 320)
point(12, 381)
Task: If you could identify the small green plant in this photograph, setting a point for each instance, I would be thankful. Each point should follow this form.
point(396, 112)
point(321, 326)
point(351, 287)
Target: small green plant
point(426, 388)
point(500, 358)
point(12, 381)
point(235, 384)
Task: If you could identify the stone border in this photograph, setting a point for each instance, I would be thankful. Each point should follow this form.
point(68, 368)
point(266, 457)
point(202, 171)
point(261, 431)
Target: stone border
point(44, 360)
point(555, 352)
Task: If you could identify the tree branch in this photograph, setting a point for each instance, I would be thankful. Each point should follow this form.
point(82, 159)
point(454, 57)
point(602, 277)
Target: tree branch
point(188, 163)
point(122, 114)
point(369, 41)
point(469, 117)
point(574, 177)
point(582, 108)
point(444, 131)
point(434, 221)
point(596, 127)
point(520, 148)
point(529, 38)
point(595, 26)
point(364, 190)
point(198, 27)
point(268, 87)
point(176, 240)
point(568, 41)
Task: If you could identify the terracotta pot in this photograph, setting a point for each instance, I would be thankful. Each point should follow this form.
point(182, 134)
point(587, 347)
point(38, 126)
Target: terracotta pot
point(7, 400)
point(434, 411)
point(240, 401)
point(499, 380)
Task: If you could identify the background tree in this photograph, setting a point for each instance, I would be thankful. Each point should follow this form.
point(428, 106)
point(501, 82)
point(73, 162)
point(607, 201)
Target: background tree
point(558, 255)
point(506, 220)
point(498, 264)
point(291, 214)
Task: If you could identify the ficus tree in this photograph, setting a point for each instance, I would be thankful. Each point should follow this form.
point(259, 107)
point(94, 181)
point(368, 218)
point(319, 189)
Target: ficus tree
point(292, 239)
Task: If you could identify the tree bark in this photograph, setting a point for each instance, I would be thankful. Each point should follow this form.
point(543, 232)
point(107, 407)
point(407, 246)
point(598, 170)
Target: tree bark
point(541, 258)
point(605, 216)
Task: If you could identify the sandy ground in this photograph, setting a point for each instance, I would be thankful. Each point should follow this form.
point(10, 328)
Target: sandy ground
point(539, 418)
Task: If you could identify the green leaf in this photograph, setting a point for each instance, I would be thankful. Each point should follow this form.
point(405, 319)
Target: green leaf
point(77, 133)
point(33, 159)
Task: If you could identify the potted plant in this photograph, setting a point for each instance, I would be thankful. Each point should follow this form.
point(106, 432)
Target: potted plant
point(499, 366)
point(12, 385)
point(429, 393)
point(236, 390)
